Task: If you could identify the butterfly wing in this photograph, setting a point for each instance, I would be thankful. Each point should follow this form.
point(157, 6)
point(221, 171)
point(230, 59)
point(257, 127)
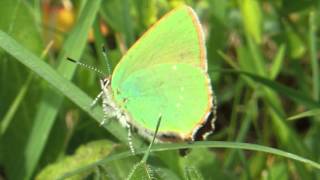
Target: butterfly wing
point(165, 73)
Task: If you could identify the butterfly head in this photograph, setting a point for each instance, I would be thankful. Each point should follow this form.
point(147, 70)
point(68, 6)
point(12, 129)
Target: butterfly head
point(105, 82)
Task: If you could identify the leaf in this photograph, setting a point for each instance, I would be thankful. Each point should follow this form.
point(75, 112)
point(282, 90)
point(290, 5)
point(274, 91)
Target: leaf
point(192, 173)
point(84, 155)
point(142, 171)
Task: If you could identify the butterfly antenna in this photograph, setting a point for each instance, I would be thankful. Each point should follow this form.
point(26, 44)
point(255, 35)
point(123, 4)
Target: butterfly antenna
point(87, 66)
point(104, 53)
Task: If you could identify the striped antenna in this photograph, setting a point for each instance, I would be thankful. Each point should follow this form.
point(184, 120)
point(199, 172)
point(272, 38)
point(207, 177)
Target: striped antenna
point(104, 53)
point(87, 66)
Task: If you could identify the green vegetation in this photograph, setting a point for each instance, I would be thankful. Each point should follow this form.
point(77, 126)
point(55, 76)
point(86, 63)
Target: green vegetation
point(263, 61)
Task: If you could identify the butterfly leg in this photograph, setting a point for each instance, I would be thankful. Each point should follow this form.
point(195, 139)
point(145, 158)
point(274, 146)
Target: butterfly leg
point(106, 111)
point(105, 118)
point(128, 126)
point(214, 109)
point(94, 102)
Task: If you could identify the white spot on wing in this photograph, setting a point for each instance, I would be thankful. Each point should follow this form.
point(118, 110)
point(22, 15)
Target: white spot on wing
point(174, 67)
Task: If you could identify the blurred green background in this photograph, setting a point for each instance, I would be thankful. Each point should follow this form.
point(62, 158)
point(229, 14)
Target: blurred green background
point(263, 62)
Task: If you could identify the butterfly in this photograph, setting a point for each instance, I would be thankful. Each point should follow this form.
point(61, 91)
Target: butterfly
point(164, 74)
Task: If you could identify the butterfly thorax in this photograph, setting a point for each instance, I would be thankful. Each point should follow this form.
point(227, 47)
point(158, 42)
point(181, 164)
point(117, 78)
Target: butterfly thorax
point(110, 108)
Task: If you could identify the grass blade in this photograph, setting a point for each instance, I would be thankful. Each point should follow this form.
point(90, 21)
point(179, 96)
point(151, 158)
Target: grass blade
point(56, 80)
point(294, 95)
point(313, 55)
point(277, 62)
point(59, 82)
point(4, 123)
point(313, 112)
point(49, 111)
point(200, 144)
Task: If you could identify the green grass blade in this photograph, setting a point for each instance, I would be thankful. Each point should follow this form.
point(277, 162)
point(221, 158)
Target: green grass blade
point(5, 122)
point(47, 112)
point(201, 144)
point(146, 155)
point(252, 17)
point(243, 130)
point(313, 112)
point(277, 62)
point(67, 88)
point(56, 80)
point(117, 15)
point(63, 85)
point(313, 55)
point(294, 95)
point(142, 170)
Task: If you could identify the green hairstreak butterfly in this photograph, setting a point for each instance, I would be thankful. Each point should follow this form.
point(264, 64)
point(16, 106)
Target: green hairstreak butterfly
point(164, 74)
